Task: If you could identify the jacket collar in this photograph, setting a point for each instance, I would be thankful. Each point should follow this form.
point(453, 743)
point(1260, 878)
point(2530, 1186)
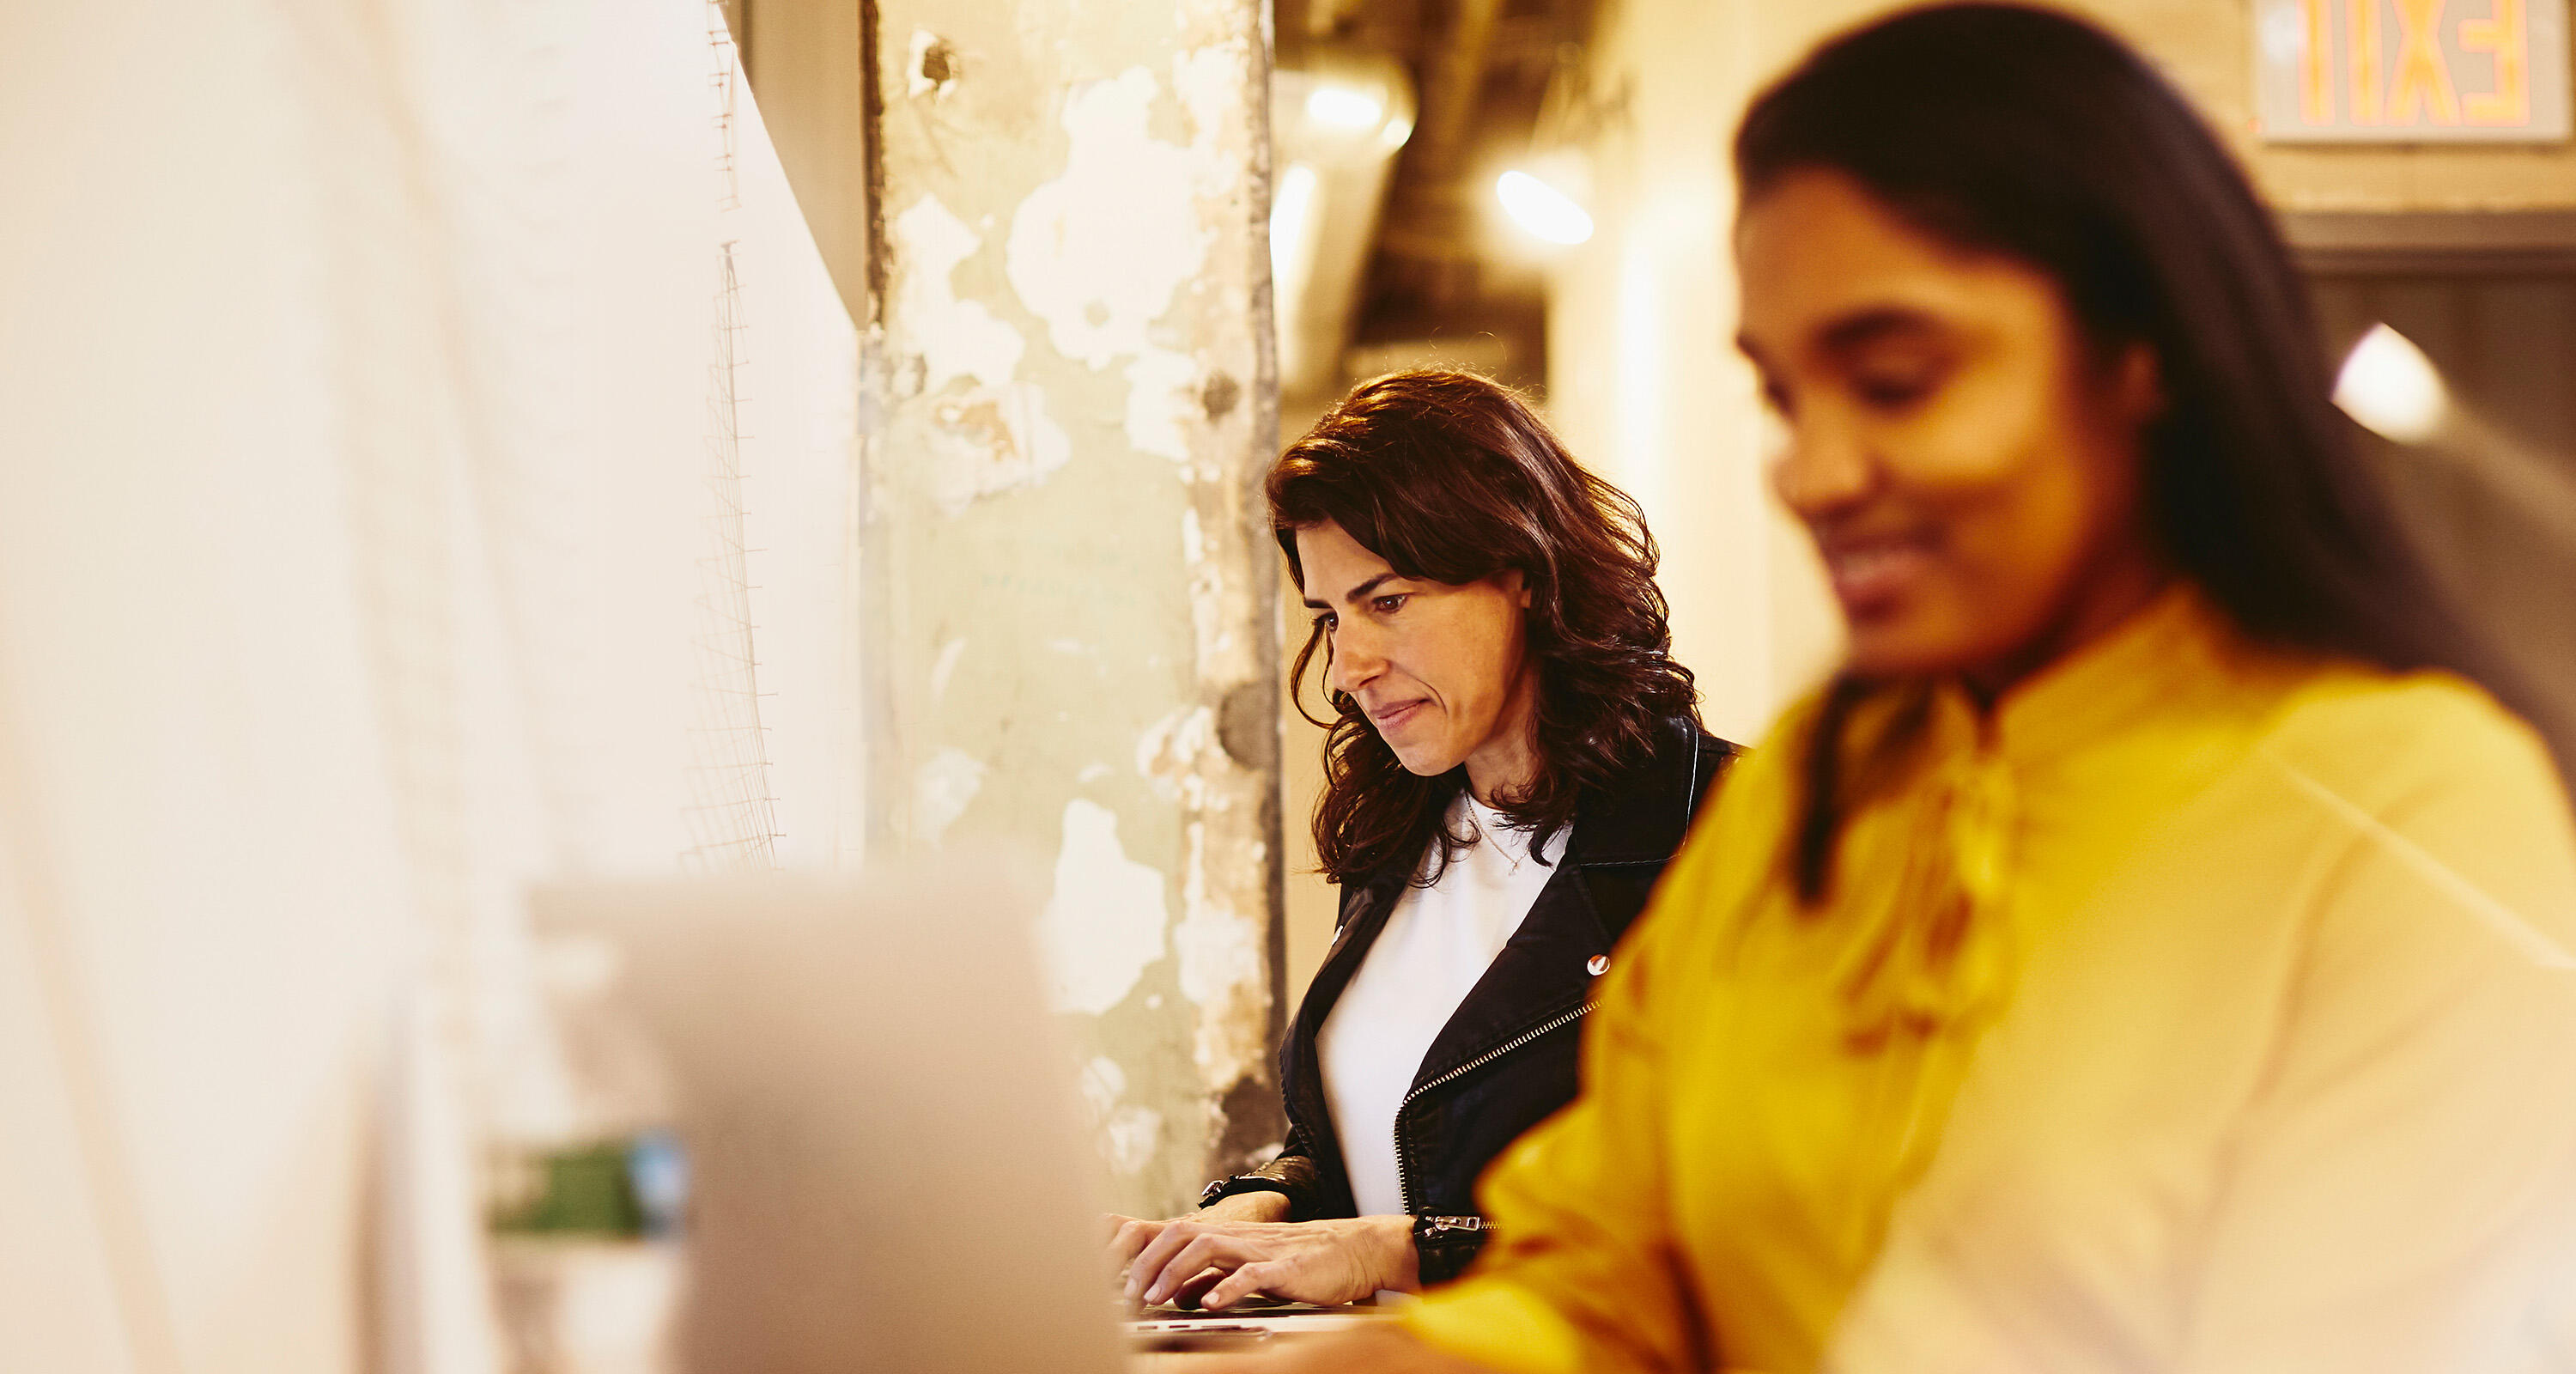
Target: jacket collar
point(1642, 821)
point(1539, 975)
point(1645, 819)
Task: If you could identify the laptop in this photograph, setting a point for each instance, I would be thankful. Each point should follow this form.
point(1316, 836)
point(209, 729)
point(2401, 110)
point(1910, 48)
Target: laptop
point(885, 1172)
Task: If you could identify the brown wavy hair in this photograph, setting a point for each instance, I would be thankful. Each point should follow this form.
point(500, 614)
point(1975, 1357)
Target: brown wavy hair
point(1450, 477)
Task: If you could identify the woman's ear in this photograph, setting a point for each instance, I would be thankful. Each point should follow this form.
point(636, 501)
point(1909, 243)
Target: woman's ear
point(1515, 584)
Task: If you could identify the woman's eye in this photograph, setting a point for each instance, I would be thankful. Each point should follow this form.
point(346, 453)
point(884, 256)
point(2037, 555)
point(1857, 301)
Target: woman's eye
point(1894, 388)
point(1892, 393)
point(1388, 605)
point(1325, 623)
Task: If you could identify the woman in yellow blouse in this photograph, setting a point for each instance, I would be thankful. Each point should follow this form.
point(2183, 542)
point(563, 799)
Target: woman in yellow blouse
point(2162, 959)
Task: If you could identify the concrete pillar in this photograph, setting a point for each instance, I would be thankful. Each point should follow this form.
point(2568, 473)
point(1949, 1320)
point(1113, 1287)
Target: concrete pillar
point(1073, 644)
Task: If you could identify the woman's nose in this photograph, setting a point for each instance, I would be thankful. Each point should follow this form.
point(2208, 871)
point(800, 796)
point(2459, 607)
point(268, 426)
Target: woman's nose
point(1357, 658)
point(1822, 468)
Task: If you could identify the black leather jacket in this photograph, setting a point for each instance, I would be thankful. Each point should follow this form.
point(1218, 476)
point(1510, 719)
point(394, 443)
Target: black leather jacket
point(1507, 1057)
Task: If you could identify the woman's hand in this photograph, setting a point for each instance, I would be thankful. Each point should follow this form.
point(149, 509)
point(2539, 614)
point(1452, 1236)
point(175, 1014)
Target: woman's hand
point(1128, 1236)
point(1218, 1262)
point(1375, 1350)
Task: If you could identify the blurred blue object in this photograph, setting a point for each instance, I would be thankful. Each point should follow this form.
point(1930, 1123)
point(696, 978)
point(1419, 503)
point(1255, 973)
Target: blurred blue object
point(657, 1168)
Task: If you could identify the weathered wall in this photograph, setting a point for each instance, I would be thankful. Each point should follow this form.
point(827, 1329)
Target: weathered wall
point(1073, 644)
point(1644, 383)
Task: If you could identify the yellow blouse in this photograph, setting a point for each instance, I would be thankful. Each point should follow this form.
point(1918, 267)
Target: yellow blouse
point(2197, 1009)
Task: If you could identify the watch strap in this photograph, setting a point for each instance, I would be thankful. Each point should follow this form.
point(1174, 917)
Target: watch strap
point(1241, 1183)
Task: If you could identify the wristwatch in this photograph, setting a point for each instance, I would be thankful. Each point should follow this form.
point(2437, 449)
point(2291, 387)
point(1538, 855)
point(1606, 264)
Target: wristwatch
point(1241, 1183)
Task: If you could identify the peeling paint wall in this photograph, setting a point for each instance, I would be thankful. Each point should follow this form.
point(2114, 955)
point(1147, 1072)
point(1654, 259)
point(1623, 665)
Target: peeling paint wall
point(1070, 587)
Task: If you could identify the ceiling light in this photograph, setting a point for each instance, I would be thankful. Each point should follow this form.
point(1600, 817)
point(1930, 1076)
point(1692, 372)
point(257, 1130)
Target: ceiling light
point(1341, 107)
point(2391, 388)
point(1542, 209)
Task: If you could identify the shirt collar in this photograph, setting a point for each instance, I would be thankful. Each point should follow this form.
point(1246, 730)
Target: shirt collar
point(2176, 651)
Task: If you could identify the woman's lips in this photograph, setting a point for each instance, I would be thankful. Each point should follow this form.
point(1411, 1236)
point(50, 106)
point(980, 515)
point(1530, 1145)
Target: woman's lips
point(1394, 716)
point(1870, 577)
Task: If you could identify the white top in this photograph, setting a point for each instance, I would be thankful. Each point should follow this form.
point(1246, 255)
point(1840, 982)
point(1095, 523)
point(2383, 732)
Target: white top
point(1436, 943)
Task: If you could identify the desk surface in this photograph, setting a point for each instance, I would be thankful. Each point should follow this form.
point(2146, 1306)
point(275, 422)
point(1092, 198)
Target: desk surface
point(1280, 1326)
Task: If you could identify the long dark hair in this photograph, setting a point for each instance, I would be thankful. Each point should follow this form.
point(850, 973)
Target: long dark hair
point(2033, 135)
point(1449, 476)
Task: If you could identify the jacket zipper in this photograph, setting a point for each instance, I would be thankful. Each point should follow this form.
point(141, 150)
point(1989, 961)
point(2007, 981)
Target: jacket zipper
point(1404, 1162)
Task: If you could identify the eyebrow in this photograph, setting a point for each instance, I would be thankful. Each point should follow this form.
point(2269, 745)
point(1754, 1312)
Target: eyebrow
point(1354, 593)
point(1856, 330)
point(1872, 324)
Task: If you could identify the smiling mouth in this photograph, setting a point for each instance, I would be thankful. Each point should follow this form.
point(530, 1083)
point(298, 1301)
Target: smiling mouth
point(1870, 575)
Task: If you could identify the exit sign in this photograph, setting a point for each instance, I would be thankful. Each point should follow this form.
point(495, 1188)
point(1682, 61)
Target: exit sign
point(2411, 71)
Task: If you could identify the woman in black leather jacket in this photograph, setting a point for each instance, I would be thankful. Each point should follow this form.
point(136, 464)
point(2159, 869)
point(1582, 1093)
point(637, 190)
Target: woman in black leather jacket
point(1514, 756)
